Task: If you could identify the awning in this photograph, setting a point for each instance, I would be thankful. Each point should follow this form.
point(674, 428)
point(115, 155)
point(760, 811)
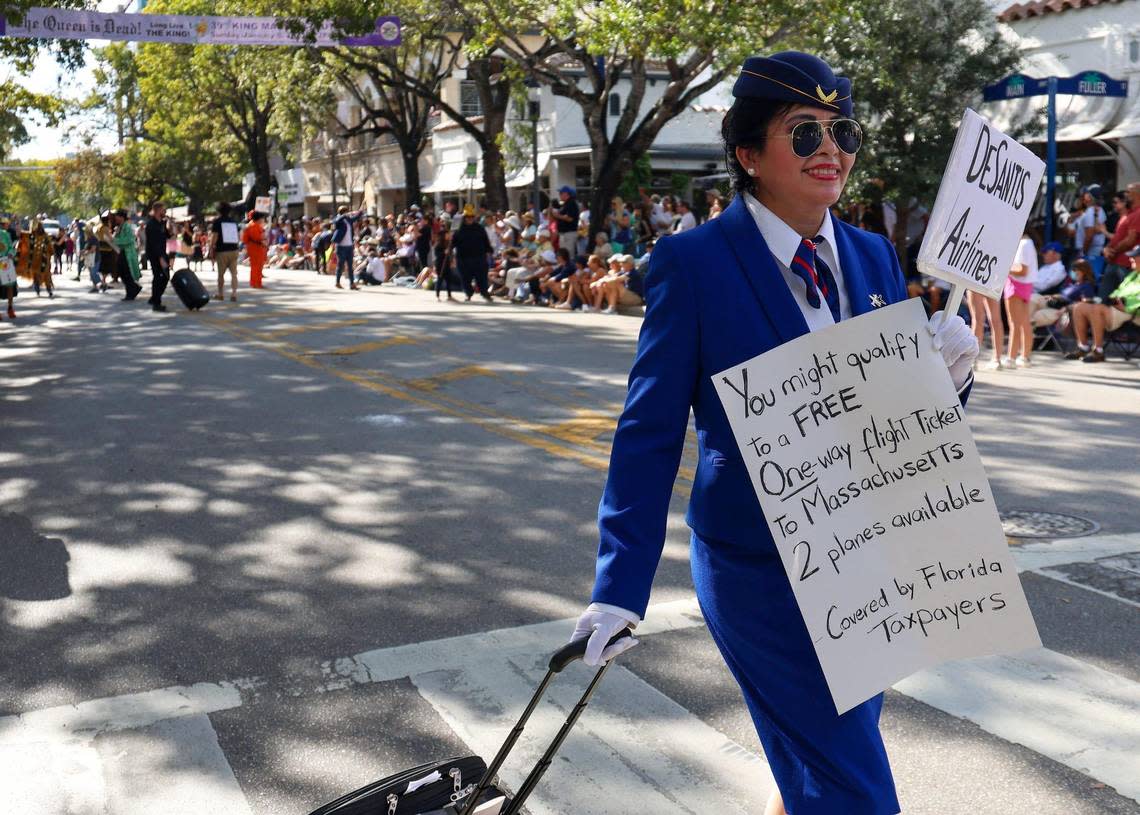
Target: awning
point(524, 176)
point(1128, 124)
point(452, 177)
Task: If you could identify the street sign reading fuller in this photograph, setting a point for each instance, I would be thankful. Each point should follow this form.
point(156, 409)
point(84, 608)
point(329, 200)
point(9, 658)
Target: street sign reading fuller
point(1092, 83)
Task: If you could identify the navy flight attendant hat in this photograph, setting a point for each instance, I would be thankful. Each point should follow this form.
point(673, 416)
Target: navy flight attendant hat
point(792, 76)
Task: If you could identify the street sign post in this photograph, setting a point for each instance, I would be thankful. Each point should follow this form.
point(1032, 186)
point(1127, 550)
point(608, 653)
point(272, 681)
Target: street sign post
point(1020, 86)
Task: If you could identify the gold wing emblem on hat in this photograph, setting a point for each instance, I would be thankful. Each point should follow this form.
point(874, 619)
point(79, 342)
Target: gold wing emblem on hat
point(826, 97)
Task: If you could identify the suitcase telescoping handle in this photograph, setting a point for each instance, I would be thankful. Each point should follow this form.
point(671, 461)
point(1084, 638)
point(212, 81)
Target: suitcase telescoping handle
point(565, 655)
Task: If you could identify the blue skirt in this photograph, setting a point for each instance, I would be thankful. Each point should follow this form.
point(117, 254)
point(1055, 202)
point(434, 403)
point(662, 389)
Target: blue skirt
point(823, 763)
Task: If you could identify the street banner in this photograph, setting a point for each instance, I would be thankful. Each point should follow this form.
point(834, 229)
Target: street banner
point(858, 449)
point(987, 191)
point(182, 29)
point(263, 203)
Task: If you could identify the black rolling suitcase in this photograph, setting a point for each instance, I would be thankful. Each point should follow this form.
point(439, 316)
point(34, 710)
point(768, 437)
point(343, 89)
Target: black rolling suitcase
point(190, 289)
point(466, 785)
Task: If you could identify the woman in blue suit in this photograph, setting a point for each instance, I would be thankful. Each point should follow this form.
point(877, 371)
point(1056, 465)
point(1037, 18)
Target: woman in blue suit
point(774, 266)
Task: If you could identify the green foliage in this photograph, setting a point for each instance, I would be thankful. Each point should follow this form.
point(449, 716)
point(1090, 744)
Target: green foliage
point(639, 177)
point(915, 65)
point(31, 192)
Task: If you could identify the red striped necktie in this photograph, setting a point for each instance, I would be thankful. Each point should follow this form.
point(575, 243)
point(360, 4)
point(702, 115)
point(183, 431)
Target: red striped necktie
point(809, 267)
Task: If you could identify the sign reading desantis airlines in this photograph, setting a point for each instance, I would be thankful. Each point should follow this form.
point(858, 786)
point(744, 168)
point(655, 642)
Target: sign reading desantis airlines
point(989, 186)
point(71, 24)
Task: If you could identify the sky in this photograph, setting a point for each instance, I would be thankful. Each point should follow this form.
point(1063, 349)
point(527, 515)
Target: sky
point(52, 142)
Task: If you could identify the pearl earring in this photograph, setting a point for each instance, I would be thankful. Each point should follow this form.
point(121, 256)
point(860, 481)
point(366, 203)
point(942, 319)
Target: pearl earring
point(752, 171)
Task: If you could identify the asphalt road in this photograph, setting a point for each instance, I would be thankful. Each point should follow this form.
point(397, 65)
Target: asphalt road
point(242, 499)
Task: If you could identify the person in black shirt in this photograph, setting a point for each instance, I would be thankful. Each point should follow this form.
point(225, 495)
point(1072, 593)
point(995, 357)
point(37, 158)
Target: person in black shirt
point(157, 231)
point(566, 216)
point(472, 253)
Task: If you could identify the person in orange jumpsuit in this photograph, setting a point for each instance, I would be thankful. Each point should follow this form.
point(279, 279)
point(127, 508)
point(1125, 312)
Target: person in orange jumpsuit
point(256, 246)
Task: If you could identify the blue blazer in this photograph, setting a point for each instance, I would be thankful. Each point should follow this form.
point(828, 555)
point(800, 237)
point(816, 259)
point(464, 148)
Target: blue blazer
point(715, 298)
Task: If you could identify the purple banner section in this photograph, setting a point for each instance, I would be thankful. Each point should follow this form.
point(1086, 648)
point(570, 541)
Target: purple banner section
point(69, 24)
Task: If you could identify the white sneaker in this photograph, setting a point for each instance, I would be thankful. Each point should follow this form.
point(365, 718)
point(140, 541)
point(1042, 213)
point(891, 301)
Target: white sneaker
point(608, 310)
point(992, 365)
point(1022, 362)
point(1007, 362)
point(563, 305)
point(586, 309)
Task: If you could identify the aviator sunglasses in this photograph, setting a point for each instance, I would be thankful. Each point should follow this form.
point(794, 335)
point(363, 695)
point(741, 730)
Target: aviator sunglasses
point(807, 137)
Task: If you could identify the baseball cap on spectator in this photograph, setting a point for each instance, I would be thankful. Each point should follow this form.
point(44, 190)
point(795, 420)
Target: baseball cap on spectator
point(468, 211)
point(549, 256)
point(567, 189)
point(514, 222)
point(1053, 246)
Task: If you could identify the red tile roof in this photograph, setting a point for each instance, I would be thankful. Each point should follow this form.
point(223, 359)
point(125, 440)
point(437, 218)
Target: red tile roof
point(1036, 8)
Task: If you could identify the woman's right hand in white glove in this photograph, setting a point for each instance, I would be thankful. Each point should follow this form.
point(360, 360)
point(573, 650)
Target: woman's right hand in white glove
point(601, 623)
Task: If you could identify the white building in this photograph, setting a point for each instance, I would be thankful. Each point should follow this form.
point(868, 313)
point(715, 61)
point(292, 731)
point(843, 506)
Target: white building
point(1098, 137)
point(370, 172)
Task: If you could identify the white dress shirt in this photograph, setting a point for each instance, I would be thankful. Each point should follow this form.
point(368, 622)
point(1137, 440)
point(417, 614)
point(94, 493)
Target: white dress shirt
point(784, 242)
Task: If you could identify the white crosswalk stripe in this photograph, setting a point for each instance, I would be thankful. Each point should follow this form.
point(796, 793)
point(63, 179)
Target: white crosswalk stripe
point(635, 750)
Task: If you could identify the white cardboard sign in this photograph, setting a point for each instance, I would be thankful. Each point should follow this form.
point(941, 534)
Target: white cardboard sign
point(263, 203)
point(859, 452)
point(987, 191)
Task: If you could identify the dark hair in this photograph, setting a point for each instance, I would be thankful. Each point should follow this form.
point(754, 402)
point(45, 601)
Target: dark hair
point(224, 208)
point(564, 254)
point(1084, 271)
point(746, 125)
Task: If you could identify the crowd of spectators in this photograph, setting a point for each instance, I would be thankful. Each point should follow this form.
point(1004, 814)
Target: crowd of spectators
point(1084, 285)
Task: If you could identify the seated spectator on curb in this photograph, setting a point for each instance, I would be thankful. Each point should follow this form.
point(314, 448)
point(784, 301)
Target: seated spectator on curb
point(1046, 310)
point(626, 289)
point(581, 283)
point(556, 287)
point(530, 291)
point(1051, 274)
point(599, 288)
point(373, 272)
point(1105, 315)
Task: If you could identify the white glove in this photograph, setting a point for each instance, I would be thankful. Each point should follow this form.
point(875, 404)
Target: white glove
point(601, 622)
point(957, 344)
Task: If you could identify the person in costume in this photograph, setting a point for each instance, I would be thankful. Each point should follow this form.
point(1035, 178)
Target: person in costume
point(774, 266)
point(41, 251)
point(8, 259)
point(126, 254)
point(256, 246)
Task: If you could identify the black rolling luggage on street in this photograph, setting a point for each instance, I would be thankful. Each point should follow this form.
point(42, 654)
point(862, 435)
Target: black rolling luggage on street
point(466, 785)
point(190, 289)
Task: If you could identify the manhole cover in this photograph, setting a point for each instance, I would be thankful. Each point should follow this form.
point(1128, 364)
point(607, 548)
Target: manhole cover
point(1024, 523)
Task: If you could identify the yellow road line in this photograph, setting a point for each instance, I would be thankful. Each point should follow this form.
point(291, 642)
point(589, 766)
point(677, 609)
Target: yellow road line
point(304, 329)
point(499, 425)
point(432, 383)
point(365, 347)
point(269, 314)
